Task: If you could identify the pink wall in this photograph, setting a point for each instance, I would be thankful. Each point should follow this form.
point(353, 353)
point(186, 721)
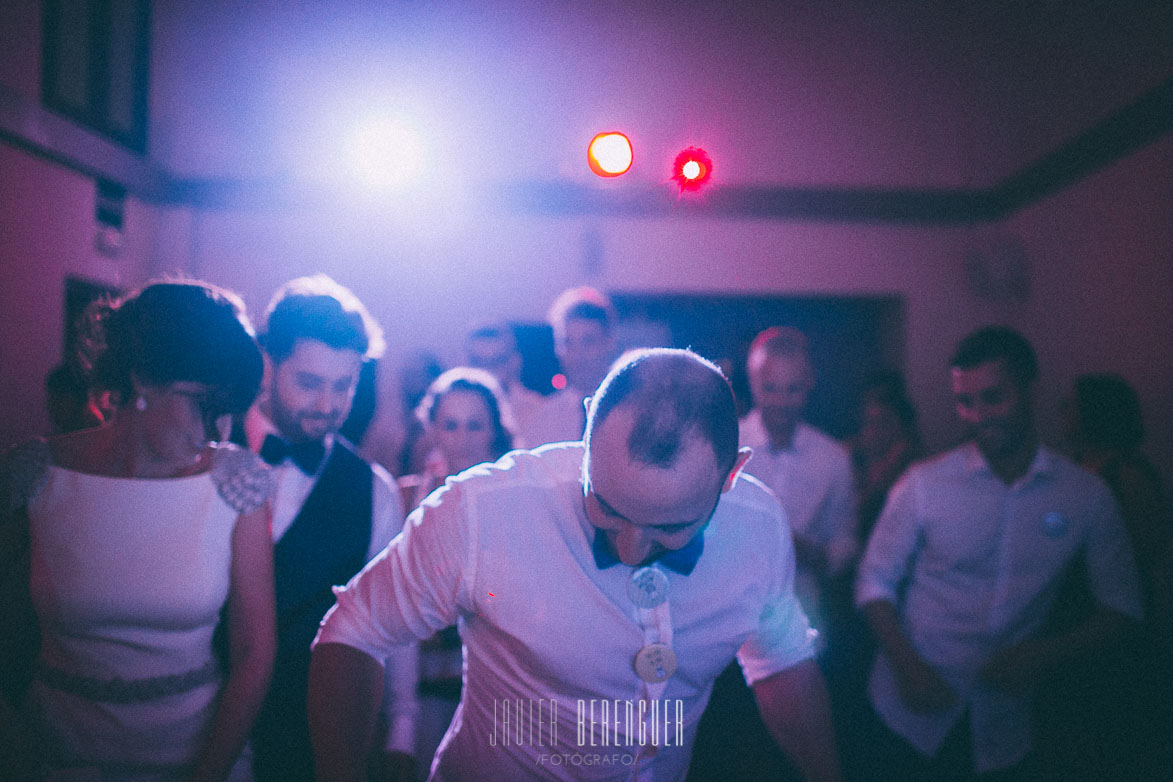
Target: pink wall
point(910, 94)
point(1035, 74)
point(780, 93)
point(1102, 254)
point(47, 232)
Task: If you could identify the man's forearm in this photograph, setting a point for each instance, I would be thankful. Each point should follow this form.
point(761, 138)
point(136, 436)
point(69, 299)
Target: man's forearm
point(345, 688)
point(795, 707)
point(400, 710)
point(921, 688)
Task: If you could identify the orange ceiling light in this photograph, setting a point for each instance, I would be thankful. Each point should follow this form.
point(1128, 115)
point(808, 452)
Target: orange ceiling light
point(609, 154)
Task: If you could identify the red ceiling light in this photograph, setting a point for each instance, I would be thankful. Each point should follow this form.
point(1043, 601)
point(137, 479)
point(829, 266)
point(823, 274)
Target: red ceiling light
point(609, 154)
point(692, 169)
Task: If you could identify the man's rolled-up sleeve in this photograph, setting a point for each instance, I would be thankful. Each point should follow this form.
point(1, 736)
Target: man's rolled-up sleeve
point(414, 588)
point(892, 546)
point(783, 637)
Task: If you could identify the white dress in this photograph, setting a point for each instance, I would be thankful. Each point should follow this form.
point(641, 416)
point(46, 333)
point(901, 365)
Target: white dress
point(128, 578)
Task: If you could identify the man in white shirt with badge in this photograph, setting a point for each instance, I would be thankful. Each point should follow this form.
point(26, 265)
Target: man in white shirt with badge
point(332, 510)
point(962, 568)
point(600, 587)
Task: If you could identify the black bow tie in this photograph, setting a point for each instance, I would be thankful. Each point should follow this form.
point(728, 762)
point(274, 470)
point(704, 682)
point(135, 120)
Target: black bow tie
point(682, 560)
point(307, 456)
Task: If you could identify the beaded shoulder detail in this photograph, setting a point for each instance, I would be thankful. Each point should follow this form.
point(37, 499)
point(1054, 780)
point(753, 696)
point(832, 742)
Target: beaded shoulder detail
point(242, 478)
point(24, 469)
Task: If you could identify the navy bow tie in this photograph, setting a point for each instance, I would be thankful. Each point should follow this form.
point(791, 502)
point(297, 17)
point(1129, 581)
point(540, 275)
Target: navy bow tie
point(682, 560)
point(307, 456)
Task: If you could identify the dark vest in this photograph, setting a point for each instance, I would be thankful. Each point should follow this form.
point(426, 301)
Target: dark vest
point(325, 545)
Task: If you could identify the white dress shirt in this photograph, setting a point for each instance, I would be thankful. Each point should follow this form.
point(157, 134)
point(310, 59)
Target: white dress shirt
point(559, 417)
point(291, 489)
point(973, 566)
point(506, 549)
point(813, 480)
point(526, 406)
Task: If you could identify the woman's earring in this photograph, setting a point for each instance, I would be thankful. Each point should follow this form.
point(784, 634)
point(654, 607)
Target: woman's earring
point(140, 404)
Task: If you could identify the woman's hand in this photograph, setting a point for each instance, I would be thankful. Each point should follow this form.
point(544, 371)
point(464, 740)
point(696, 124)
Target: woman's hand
point(252, 643)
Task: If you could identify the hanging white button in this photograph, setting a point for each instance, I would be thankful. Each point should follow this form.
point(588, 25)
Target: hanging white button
point(655, 663)
point(648, 587)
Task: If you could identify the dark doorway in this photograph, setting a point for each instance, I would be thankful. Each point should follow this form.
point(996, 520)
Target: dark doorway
point(849, 338)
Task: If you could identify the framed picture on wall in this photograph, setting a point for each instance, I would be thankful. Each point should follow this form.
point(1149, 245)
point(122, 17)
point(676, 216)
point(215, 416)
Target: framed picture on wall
point(94, 65)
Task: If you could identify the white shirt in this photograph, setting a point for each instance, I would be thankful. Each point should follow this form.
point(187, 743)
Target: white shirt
point(973, 566)
point(813, 480)
point(507, 549)
point(291, 489)
point(526, 405)
point(556, 418)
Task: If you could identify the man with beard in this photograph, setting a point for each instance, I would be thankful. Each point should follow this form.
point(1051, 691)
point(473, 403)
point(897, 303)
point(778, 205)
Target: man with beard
point(332, 510)
point(962, 568)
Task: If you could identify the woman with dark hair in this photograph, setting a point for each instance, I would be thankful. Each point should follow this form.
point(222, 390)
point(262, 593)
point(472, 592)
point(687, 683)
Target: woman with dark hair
point(133, 540)
point(888, 441)
point(466, 421)
point(1105, 430)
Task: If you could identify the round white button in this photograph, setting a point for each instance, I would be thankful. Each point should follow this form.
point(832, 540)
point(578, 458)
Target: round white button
point(648, 587)
point(655, 663)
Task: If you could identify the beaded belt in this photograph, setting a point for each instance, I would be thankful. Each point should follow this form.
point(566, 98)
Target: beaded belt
point(129, 690)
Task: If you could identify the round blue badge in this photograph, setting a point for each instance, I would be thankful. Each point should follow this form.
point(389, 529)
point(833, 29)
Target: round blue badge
point(1055, 524)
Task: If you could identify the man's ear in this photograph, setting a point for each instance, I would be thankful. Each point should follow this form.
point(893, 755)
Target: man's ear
point(588, 404)
point(743, 455)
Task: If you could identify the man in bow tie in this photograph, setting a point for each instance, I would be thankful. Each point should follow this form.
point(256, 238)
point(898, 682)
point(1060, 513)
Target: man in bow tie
point(600, 587)
point(332, 511)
